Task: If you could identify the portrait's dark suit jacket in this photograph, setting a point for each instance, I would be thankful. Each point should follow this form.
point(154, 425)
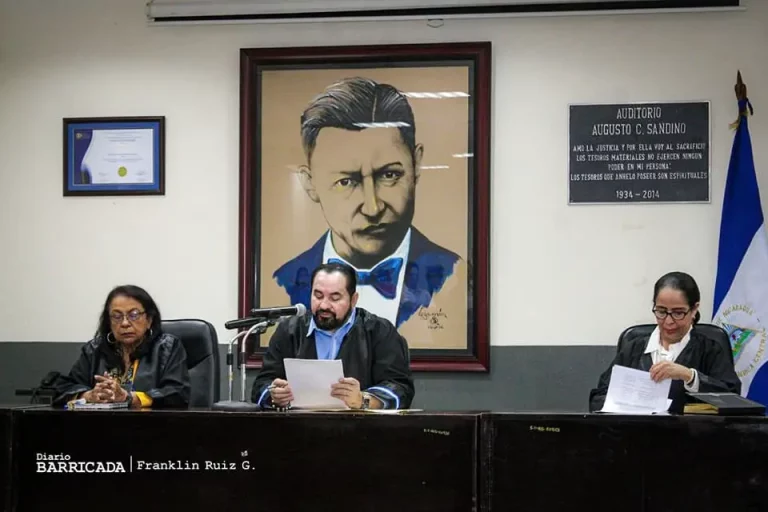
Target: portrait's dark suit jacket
point(709, 357)
point(423, 253)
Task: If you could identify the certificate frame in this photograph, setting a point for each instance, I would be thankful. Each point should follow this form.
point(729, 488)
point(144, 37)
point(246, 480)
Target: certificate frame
point(78, 181)
point(271, 149)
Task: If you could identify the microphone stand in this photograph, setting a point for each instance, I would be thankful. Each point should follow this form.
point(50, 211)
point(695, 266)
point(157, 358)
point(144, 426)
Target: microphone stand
point(230, 362)
point(241, 405)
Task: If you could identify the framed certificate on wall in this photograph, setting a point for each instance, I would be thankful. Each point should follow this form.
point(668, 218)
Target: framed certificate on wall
point(106, 156)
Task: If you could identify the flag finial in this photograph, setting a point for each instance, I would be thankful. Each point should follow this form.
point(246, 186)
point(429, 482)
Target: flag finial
point(740, 87)
point(745, 107)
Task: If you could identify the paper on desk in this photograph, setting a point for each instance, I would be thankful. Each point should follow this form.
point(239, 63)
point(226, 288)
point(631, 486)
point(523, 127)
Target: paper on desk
point(94, 406)
point(310, 381)
point(392, 411)
point(634, 392)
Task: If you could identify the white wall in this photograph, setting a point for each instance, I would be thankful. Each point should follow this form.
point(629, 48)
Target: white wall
point(560, 274)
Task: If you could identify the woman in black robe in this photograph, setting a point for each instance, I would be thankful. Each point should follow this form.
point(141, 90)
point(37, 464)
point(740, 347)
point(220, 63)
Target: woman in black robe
point(676, 349)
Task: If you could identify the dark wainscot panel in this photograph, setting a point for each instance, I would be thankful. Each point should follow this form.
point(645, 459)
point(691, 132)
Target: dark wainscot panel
point(257, 462)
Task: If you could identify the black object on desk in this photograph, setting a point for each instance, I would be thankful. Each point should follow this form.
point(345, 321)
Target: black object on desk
point(37, 395)
point(44, 393)
point(723, 404)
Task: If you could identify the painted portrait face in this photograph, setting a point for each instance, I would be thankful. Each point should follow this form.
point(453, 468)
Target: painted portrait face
point(365, 182)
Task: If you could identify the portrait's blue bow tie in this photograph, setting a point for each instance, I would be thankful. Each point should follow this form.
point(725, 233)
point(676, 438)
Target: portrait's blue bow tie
point(383, 277)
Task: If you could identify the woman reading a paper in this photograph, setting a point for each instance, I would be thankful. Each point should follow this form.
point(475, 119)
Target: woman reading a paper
point(130, 360)
point(675, 349)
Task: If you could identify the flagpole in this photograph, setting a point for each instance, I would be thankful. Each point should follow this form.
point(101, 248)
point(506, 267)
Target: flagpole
point(741, 282)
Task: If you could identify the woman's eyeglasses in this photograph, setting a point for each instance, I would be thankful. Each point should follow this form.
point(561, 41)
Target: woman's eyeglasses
point(133, 315)
point(676, 314)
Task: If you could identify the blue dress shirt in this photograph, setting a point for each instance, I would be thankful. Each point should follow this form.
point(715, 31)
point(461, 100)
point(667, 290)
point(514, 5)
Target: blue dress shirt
point(328, 343)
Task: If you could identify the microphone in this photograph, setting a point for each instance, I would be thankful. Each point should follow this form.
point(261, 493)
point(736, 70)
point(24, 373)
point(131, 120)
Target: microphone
point(259, 323)
point(258, 316)
point(295, 310)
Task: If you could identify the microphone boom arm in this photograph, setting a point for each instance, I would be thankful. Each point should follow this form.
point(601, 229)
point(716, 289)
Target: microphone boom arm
point(259, 328)
point(241, 405)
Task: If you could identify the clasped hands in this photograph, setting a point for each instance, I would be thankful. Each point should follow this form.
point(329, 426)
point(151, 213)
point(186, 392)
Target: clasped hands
point(107, 389)
point(669, 370)
point(346, 389)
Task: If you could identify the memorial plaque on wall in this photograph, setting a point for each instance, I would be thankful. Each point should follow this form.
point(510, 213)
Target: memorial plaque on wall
point(639, 153)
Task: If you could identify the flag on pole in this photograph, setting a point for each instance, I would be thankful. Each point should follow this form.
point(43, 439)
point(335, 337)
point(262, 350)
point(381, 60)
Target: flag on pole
point(741, 285)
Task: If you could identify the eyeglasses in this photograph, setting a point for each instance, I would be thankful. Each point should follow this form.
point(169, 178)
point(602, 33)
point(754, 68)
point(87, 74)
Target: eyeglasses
point(133, 315)
point(661, 313)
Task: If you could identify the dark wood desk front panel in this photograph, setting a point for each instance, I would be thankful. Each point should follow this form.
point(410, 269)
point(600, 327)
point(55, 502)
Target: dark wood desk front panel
point(551, 462)
point(257, 462)
point(6, 432)
point(420, 462)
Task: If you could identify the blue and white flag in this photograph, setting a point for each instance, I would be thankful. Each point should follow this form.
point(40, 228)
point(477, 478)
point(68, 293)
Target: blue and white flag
point(741, 287)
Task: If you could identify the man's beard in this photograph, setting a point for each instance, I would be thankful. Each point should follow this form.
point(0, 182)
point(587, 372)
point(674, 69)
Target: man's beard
point(330, 323)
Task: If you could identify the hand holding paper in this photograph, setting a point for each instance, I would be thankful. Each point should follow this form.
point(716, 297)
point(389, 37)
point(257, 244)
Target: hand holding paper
point(311, 381)
point(348, 390)
point(634, 392)
point(281, 392)
point(669, 370)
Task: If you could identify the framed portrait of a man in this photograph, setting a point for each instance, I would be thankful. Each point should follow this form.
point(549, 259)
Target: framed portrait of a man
point(377, 157)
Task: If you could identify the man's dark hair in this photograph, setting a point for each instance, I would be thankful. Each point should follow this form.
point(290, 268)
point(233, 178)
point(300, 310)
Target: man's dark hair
point(141, 296)
point(345, 270)
point(353, 104)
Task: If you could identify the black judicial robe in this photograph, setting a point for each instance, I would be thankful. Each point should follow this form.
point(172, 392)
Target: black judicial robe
point(162, 371)
point(703, 354)
point(373, 352)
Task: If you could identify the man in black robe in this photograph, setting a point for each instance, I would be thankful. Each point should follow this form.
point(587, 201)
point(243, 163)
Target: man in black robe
point(374, 355)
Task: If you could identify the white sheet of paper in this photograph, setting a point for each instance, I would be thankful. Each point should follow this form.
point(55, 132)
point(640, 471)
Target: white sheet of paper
point(634, 392)
point(310, 381)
